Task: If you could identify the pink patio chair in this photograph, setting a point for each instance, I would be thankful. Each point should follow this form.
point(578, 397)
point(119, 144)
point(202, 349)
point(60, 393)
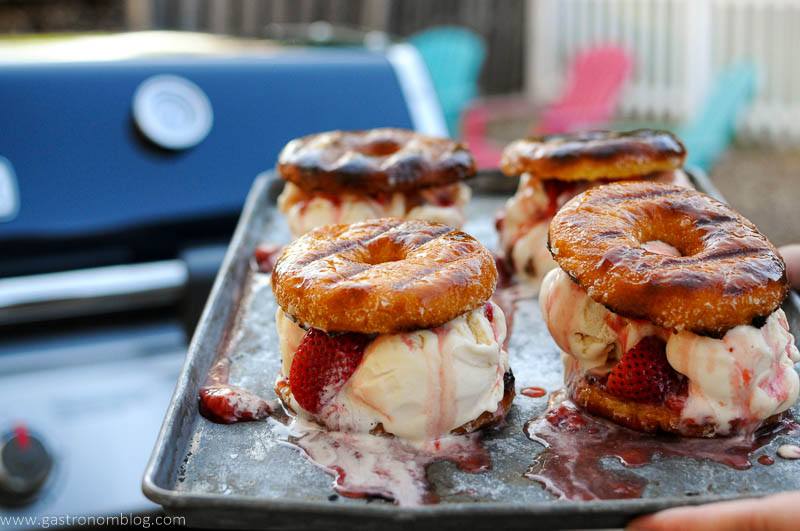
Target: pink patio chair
point(474, 127)
point(594, 85)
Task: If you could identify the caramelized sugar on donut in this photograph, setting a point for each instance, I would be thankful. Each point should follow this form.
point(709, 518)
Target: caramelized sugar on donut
point(375, 161)
point(725, 263)
point(594, 155)
point(382, 276)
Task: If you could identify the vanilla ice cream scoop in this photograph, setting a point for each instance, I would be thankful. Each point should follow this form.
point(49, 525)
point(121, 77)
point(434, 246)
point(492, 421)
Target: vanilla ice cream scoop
point(585, 329)
point(307, 211)
point(747, 374)
point(418, 385)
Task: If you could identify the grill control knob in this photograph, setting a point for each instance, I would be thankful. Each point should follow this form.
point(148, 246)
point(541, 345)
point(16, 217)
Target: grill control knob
point(172, 112)
point(25, 465)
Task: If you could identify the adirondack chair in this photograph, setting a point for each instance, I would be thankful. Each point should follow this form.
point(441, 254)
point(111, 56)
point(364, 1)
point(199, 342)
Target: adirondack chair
point(475, 125)
point(710, 132)
point(594, 84)
point(454, 57)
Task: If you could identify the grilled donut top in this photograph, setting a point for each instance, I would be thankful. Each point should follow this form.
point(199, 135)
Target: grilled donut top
point(594, 155)
point(382, 276)
point(374, 161)
point(728, 273)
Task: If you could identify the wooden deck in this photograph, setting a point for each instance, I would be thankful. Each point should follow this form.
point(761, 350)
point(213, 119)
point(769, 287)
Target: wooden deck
point(763, 183)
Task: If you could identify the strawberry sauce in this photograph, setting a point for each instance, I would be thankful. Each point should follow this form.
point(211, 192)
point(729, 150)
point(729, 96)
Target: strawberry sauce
point(576, 443)
point(533, 392)
point(363, 465)
point(223, 403)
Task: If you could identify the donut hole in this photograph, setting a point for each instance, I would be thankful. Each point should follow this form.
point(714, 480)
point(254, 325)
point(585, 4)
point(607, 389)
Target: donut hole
point(383, 252)
point(668, 245)
point(670, 235)
point(381, 147)
point(661, 247)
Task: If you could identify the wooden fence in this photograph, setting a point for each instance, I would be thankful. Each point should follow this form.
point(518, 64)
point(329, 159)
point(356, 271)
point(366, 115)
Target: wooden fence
point(500, 22)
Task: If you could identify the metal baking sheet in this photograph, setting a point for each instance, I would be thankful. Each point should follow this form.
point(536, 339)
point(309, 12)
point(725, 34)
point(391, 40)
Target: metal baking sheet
point(241, 475)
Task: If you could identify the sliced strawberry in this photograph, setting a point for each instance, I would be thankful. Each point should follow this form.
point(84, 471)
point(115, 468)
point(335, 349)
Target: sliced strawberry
point(505, 271)
point(322, 364)
point(499, 220)
point(554, 190)
point(488, 311)
point(643, 373)
point(266, 255)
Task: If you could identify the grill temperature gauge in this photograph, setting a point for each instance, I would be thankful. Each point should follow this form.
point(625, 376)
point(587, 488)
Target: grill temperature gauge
point(172, 112)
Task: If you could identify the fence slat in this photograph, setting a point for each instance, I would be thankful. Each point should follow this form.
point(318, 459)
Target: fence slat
point(679, 47)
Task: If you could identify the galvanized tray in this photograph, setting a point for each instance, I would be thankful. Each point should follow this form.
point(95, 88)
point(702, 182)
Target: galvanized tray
point(242, 476)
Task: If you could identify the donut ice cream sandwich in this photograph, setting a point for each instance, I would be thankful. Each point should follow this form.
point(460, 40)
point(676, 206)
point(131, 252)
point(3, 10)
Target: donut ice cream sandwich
point(555, 168)
point(666, 305)
point(350, 176)
point(386, 327)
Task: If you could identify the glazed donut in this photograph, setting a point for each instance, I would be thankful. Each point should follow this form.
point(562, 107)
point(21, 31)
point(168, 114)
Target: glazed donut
point(728, 273)
point(594, 155)
point(642, 416)
point(382, 276)
point(375, 161)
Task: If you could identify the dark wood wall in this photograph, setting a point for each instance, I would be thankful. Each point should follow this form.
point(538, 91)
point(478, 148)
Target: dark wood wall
point(500, 22)
point(46, 16)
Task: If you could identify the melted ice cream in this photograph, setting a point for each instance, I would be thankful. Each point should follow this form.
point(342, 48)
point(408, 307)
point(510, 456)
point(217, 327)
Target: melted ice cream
point(307, 211)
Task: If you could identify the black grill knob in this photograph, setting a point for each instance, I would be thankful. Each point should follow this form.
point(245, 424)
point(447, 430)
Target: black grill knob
point(25, 465)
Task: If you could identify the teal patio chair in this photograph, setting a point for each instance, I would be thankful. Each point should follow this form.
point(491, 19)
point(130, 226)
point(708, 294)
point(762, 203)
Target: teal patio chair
point(711, 131)
point(454, 57)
